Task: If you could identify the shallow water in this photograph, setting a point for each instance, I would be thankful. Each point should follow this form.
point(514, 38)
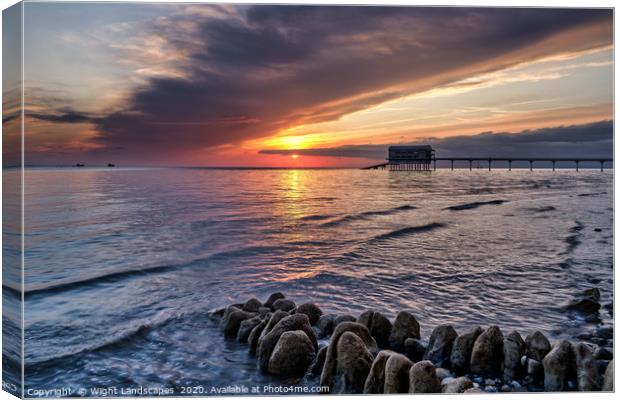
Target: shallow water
point(122, 265)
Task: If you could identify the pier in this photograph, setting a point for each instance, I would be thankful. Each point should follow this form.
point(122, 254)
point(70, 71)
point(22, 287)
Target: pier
point(422, 158)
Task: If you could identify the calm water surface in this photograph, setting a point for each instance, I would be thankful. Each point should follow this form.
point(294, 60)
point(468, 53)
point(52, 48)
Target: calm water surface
point(122, 265)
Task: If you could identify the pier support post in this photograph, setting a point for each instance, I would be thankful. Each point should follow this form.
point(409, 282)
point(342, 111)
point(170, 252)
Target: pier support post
point(451, 165)
point(509, 165)
point(602, 163)
point(489, 164)
point(531, 165)
point(577, 165)
point(470, 161)
point(553, 163)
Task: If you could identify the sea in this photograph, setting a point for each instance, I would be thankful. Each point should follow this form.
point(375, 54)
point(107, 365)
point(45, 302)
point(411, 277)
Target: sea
point(123, 265)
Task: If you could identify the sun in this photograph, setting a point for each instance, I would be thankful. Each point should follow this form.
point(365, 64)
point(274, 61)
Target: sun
point(295, 156)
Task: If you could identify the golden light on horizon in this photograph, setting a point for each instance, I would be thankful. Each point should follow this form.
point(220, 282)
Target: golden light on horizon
point(295, 156)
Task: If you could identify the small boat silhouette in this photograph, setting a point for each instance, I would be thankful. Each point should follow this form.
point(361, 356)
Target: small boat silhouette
point(111, 165)
point(79, 165)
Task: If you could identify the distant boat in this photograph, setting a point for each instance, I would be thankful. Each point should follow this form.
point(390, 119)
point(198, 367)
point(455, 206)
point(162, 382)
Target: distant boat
point(79, 165)
point(111, 165)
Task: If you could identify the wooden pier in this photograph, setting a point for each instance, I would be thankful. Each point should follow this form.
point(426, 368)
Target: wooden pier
point(488, 163)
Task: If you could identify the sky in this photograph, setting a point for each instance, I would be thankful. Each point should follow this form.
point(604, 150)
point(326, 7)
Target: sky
point(309, 86)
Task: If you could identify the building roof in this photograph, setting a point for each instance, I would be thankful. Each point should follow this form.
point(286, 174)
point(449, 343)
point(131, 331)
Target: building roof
point(411, 147)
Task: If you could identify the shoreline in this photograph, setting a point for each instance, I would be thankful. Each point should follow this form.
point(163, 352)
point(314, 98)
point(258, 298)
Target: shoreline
point(371, 354)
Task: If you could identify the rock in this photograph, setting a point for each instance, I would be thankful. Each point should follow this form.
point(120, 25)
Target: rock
point(487, 353)
point(422, 378)
point(608, 378)
point(325, 325)
point(252, 305)
point(505, 388)
point(588, 303)
point(490, 389)
point(461, 351)
point(603, 353)
point(397, 374)
point(414, 349)
point(328, 375)
point(273, 320)
point(353, 364)
point(588, 377)
point(558, 365)
point(537, 346)
point(312, 311)
point(245, 328)
point(474, 391)
point(264, 311)
point(379, 326)
point(458, 385)
point(292, 355)
point(535, 371)
point(513, 348)
point(317, 364)
point(605, 332)
point(443, 373)
point(272, 299)
point(267, 343)
point(440, 345)
point(375, 381)
point(343, 318)
point(284, 305)
point(405, 326)
point(255, 334)
point(232, 322)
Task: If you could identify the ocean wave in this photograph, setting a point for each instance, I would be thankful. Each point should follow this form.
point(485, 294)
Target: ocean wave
point(475, 204)
point(573, 240)
point(367, 214)
point(115, 276)
point(123, 336)
point(412, 230)
point(317, 217)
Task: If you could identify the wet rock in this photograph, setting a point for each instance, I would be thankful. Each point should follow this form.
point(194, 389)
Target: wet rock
point(490, 389)
point(603, 353)
point(328, 375)
point(217, 313)
point(405, 326)
point(422, 378)
point(602, 366)
point(284, 305)
point(461, 351)
point(440, 345)
point(397, 374)
point(414, 349)
point(343, 318)
point(254, 335)
point(588, 303)
point(267, 343)
point(319, 360)
point(442, 373)
point(245, 328)
point(264, 310)
point(487, 353)
point(232, 322)
point(505, 388)
point(605, 332)
point(252, 305)
point(535, 371)
point(375, 381)
point(558, 366)
point(588, 377)
point(513, 348)
point(474, 391)
point(325, 325)
point(272, 299)
point(608, 378)
point(292, 355)
point(537, 346)
point(312, 311)
point(273, 320)
point(353, 364)
point(379, 326)
point(458, 385)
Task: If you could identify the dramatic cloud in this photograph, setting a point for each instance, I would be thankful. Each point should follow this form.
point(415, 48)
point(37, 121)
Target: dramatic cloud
point(262, 69)
point(582, 141)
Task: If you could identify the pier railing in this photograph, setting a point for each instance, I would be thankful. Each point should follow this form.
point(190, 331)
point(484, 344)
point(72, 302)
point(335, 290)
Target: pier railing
point(509, 160)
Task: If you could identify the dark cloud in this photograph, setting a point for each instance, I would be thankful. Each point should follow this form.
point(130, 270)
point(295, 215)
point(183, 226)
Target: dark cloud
point(583, 141)
point(272, 67)
point(68, 117)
